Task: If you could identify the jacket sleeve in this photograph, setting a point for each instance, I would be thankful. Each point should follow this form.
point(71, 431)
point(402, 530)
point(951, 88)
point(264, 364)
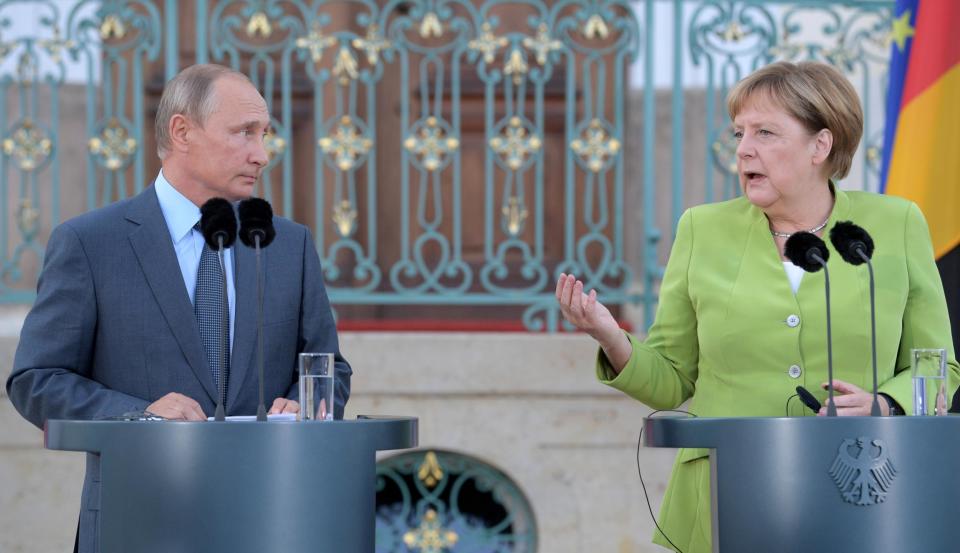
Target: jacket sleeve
point(662, 371)
point(926, 322)
point(318, 328)
point(52, 368)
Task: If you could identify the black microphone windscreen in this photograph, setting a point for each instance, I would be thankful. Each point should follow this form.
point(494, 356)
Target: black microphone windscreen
point(848, 238)
point(218, 219)
point(800, 248)
point(256, 217)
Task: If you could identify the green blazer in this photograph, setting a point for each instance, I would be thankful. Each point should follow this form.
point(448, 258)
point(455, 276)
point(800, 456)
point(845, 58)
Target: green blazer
point(731, 336)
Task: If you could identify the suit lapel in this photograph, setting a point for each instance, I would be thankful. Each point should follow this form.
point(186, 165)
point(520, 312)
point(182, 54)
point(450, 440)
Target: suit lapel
point(151, 244)
point(245, 325)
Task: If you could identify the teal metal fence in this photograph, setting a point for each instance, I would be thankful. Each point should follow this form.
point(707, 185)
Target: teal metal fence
point(509, 127)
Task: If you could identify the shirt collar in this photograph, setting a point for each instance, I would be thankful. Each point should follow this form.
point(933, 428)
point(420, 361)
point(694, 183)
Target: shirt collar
point(179, 212)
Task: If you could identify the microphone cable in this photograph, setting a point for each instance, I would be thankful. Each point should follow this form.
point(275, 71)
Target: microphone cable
point(644, 486)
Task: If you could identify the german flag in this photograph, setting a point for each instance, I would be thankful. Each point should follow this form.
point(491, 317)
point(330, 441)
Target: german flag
point(922, 141)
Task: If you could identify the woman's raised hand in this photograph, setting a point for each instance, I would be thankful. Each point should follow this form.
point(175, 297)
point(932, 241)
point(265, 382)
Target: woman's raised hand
point(589, 315)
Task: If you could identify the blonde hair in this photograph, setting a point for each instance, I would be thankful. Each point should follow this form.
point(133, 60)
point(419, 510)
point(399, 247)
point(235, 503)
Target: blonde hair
point(190, 93)
point(817, 95)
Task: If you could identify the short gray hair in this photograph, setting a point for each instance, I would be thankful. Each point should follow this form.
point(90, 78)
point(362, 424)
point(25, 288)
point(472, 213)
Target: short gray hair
point(190, 93)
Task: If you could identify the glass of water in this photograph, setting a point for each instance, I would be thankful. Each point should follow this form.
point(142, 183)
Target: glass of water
point(929, 367)
point(316, 386)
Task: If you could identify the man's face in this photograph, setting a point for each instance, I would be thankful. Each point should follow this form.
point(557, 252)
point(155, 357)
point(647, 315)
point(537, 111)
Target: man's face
point(226, 153)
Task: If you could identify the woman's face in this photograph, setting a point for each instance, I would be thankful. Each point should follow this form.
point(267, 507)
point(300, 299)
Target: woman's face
point(778, 159)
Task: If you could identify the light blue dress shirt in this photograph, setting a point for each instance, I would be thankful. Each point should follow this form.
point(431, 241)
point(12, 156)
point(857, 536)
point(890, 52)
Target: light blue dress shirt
point(181, 214)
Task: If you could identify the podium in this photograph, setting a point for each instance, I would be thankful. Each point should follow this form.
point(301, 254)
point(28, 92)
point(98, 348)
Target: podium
point(883, 484)
point(235, 486)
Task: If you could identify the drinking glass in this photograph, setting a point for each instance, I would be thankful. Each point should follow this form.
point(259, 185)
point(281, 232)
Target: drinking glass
point(316, 386)
point(929, 369)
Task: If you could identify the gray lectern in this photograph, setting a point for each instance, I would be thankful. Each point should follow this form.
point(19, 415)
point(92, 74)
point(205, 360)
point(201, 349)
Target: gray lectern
point(885, 484)
point(305, 487)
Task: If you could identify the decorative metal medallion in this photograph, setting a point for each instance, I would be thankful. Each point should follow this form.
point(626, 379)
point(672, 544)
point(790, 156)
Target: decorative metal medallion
point(733, 32)
point(430, 537)
point(259, 24)
point(596, 27)
point(114, 146)
point(862, 471)
point(27, 217)
point(725, 151)
point(372, 44)
point(516, 66)
point(431, 26)
point(28, 144)
point(274, 144)
point(430, 471)
point(596, 146)
point(514, 215)
point(347, 145)
point(315, 42)
point(345, 218)
point(515, 143)
point(431, 142)
point(345, 67)
point(56, 46)
point(488, 43)
point(543, 45)
point(112, 28)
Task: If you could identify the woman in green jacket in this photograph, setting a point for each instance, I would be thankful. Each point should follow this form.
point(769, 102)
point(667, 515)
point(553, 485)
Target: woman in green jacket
point(739, 327)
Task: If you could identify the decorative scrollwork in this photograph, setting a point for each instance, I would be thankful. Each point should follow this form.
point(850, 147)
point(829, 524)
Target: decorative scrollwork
point(113, 147)
point(347, 146)
point(29, 144)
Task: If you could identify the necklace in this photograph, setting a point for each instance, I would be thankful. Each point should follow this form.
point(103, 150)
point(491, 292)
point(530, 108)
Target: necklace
point(814, 230)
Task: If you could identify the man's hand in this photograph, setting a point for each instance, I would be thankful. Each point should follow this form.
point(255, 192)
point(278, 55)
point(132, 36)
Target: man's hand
point(284, 405)
point(853, 401)
point(178, 407)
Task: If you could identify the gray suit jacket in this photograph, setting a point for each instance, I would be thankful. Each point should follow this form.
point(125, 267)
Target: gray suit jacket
point(113, 329)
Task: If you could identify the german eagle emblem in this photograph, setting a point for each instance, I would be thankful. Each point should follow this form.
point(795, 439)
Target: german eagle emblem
point(862, 471)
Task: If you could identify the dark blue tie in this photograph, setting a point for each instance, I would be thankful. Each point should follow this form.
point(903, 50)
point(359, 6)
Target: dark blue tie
point(213, 316)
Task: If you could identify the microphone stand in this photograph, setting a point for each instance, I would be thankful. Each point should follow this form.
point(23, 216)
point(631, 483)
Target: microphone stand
point(875, 408)
point(261, 408)
point(831, 407)
point(220, 414)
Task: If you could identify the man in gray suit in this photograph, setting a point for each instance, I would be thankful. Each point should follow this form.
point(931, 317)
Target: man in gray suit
point(113, 329)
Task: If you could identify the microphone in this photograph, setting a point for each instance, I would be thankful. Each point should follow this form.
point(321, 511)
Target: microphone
point(810, 253)
point(856, 247)
point(256, 231)
point(218, 225)
point(807, 398)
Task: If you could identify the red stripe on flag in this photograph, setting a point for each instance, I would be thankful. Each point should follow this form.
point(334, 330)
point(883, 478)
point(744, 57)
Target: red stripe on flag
point(936, 45)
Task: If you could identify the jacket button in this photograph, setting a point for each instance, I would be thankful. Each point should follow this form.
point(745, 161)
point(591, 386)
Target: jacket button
point(793, 321)
point(794, 371)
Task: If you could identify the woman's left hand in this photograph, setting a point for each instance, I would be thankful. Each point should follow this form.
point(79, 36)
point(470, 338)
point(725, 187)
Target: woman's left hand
point(851, 401)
